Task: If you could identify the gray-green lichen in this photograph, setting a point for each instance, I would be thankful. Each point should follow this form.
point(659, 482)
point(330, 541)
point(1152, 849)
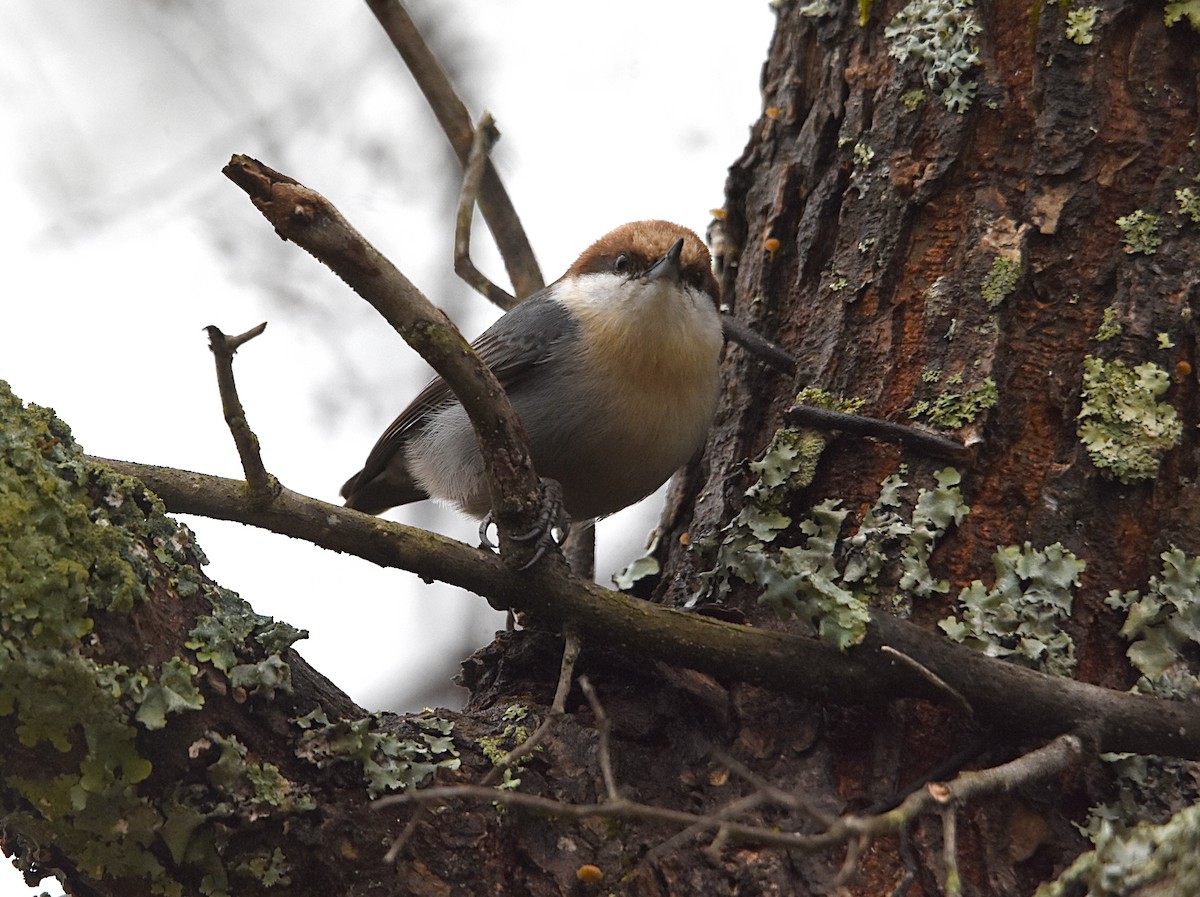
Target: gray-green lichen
point(864, 155)
point(912, 99)
point(1189, 9)
point(80, 544)
point(232, 637)
point(639, 568)
point(497, 747)
point(388, 762)
point(1162, 860)
point(1080, 23)
point(886, 536)
point(1021, 616)
point(64, 558)
point(825, 578)
point(1162, 623)
point(938, 35)
point(1109, 327)
point(789, 463)
point(1189, 204)
point(1001, 279)
point(952, 409)
point(816, 9)
point(236, 788)
point(1139, 232)
point(1125, 430)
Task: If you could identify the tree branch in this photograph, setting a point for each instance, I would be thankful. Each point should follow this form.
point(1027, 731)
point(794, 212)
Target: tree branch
point(311, 221)
point(934, 444)
point(757, 344)
point(485, 137)
point(942, 797)
point(1043, 706)
point(263, 486)
point(604, 728)
point(455, 120)
point(579, 548)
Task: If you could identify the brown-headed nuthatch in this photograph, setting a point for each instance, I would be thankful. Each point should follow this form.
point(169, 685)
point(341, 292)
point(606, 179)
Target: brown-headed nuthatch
point(613, 370)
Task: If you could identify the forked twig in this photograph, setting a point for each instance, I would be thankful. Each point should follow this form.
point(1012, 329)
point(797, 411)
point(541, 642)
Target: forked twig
point(311, 221)
point(486, 136)
point(1047, 760)
point(263, 487)
point(452, 115)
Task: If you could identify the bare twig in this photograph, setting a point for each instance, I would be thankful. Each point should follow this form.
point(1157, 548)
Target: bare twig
point(455, 120)
point(618, 809)
point(771, 791)
point(485, 137)
point(854, 850)
point(718, 842)
point(1045, 761)
point(734, 808)
point(263, 487)
point(405, 836)
point(784, 662)
point(1057, 755)
point(904, 845)
point(580, 545)
point(929, 443)
point(603, 728)
point(953, 886)
point(757, 344)
point(558, 709)
point(952, 765)
point(311, 221)
point(855, 832)
point(934, 679)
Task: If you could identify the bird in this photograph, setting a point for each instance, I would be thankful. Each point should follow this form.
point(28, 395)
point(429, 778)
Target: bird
point(613, 370)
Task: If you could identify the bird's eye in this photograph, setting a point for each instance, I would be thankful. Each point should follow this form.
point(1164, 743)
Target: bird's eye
point(621, 264)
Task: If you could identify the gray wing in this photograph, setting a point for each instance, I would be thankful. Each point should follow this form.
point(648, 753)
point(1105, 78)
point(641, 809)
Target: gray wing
point(528, 335)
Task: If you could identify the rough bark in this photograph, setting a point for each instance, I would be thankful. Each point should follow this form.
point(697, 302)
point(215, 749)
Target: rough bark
point(876, 278)
point(860, 235)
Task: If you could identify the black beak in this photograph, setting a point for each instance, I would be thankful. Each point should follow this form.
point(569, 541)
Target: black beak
point(667, 266)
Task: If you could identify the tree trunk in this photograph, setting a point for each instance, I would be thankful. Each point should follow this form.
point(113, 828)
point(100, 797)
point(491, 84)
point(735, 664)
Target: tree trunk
point(1013, 263)
point(912, 257)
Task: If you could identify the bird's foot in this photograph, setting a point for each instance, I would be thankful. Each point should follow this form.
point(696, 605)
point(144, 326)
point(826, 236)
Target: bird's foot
point(552, 517)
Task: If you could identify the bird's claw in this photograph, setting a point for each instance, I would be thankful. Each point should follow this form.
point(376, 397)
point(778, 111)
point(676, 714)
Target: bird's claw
point(484, 525)
point(551, 517)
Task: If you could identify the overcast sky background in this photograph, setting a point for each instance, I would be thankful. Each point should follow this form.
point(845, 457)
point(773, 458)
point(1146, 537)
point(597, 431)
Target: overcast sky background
point(122, 240)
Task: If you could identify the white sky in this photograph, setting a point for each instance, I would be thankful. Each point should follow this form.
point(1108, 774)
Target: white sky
point(115, 132)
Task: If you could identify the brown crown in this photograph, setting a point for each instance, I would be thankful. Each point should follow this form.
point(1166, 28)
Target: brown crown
point(644, 243)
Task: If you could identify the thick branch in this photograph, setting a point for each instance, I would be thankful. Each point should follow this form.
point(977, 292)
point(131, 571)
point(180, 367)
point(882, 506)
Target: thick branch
point(1009, 698)
point(455, 120)
point(309, 220)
